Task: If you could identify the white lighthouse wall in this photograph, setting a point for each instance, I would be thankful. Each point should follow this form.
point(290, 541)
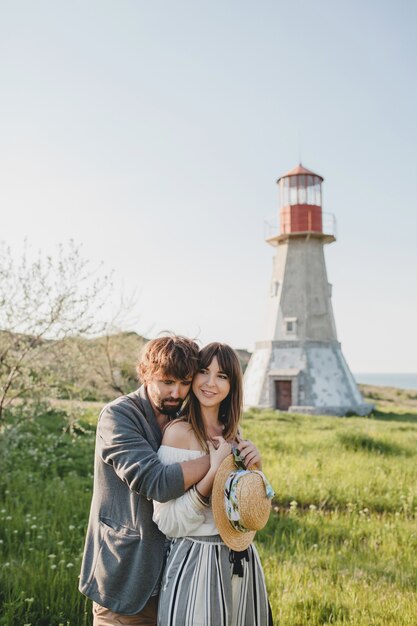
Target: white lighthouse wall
point(273, 319)
point(288, 357)
point(331, 383)
point(300, 290)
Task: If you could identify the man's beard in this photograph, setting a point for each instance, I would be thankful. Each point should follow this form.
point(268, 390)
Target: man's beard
point(170, 409)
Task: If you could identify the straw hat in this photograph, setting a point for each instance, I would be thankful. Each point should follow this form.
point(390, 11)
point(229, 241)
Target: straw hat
point(253, 505)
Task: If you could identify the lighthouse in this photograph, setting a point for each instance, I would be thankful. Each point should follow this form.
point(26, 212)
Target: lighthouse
point(298, 363)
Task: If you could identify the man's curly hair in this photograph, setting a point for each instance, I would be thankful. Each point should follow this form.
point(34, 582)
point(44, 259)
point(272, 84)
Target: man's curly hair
point(171, 355)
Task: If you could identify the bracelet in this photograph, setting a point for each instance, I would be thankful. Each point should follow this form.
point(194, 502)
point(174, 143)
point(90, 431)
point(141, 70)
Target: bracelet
point(204, 500)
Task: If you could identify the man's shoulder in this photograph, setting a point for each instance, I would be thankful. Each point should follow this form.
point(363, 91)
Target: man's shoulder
point(129, 403)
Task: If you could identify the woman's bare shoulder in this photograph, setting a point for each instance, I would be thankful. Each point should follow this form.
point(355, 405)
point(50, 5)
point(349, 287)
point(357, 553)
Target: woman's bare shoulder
point(179, 434)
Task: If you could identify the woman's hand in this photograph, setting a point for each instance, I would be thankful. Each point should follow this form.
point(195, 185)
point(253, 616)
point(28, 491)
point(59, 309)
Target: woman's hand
point(249, 452)
point(218, 453)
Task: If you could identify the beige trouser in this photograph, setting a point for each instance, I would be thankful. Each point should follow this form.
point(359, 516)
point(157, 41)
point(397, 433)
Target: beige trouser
point(147, 617)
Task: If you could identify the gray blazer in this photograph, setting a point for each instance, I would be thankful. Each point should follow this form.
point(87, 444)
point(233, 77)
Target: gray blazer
point(124, 550)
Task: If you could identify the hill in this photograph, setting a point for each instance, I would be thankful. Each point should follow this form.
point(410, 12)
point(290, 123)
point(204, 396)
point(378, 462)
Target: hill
point(96, 369)
point(108, 366)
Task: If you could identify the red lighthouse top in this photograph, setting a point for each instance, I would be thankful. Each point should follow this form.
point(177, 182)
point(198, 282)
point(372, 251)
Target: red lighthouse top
point(301, 206)
point(298, 170)
point(301, 187)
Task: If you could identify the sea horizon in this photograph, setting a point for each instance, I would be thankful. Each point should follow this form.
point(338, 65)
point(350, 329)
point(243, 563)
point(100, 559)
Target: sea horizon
point(386, 379)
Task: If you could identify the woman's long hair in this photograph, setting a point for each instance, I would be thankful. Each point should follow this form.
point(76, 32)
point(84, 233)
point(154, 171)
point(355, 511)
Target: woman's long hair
point(230, 410)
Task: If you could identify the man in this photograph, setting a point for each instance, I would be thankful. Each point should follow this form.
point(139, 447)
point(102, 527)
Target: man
point(124, 550)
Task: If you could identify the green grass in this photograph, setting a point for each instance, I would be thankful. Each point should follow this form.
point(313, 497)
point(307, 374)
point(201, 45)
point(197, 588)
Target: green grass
point(339, 547)
point(45, 492)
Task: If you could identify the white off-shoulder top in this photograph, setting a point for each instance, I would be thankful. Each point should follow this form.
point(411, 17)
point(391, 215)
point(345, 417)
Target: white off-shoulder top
point(185, 516)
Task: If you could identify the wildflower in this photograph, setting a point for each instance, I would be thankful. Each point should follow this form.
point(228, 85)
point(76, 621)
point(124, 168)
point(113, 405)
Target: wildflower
point(51, 556)
point(29, 600)
point(9, 517)
point(6, 564)
point(71, 527)
point(312, 507)
point(53, 566)
point(33, 526)
point(70, 564)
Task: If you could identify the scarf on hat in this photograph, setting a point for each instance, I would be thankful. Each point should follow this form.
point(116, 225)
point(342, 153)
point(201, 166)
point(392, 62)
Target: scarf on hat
point(230, 491)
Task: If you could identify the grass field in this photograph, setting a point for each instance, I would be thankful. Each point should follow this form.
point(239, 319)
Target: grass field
point(339, 548)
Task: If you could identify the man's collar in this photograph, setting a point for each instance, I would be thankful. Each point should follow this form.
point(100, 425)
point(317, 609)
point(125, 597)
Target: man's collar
point(150, 415)
point(149, 410)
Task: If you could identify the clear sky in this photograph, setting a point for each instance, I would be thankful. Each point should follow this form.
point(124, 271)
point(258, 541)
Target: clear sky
point(152, 133)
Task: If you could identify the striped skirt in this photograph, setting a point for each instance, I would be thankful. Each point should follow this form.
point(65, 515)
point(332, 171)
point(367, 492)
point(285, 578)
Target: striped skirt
point(202, 586)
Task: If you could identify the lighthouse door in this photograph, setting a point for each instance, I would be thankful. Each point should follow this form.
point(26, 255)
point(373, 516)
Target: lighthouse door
point(283, 399)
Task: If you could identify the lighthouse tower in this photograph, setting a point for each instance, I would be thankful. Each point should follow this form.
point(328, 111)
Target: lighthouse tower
point(298, 365)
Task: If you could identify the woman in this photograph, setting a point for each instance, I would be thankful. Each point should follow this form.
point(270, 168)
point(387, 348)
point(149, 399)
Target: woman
point(201, 585)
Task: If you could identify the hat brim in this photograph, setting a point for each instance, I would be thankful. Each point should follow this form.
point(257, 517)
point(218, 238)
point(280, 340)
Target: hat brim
point(234, 539)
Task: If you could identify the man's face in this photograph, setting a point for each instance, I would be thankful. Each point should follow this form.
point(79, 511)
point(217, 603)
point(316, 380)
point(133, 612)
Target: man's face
point(166, 393)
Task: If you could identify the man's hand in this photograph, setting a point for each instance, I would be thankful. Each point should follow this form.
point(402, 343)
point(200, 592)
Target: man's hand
point(249, 452)
point(218, 453)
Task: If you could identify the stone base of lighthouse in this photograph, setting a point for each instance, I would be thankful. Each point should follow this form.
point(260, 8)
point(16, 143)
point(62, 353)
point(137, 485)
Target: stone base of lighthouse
point(302, 377)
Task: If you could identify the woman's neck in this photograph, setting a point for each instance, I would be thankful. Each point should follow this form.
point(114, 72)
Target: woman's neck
point(210, 416)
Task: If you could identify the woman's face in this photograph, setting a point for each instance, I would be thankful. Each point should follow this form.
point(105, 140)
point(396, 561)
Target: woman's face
point(211, 385)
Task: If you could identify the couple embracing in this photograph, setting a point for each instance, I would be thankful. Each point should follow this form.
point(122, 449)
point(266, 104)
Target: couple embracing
point(164, 468)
